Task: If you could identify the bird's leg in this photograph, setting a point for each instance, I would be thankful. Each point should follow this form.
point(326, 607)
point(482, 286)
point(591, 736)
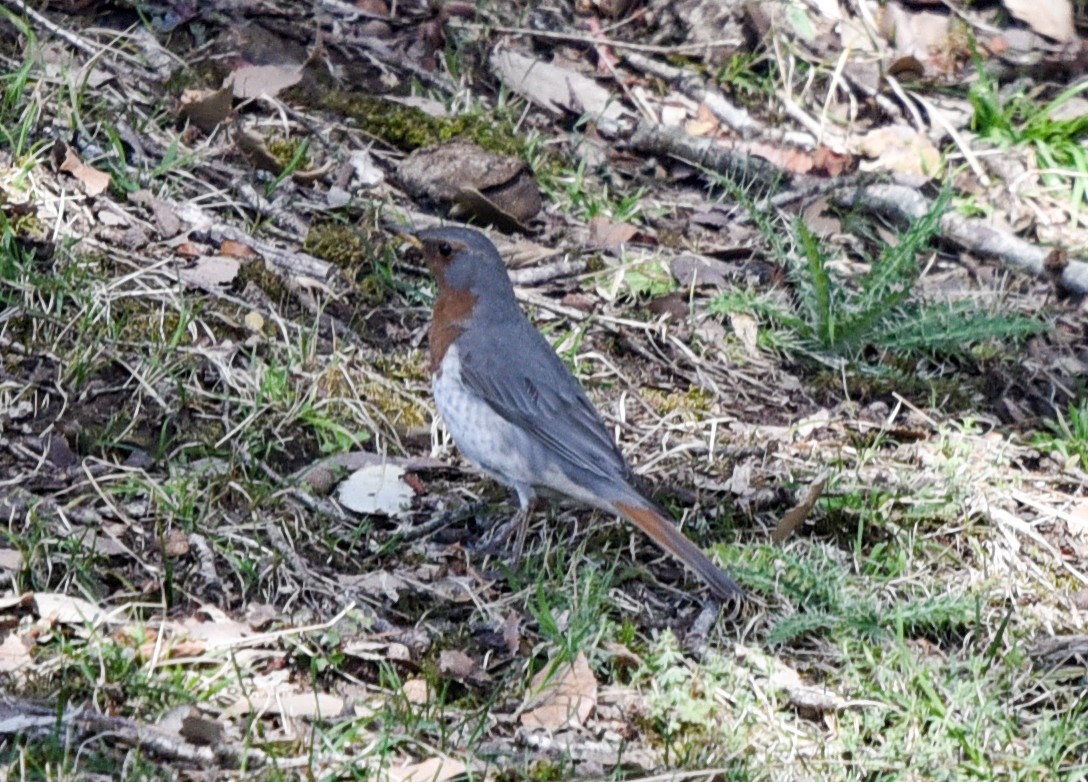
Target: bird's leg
point(525, 510)
point(519, 524)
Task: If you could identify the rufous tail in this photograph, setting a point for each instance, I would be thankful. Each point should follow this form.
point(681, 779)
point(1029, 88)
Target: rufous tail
point(668, 536)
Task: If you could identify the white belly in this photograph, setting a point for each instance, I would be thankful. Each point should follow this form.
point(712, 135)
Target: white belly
point(503, 450)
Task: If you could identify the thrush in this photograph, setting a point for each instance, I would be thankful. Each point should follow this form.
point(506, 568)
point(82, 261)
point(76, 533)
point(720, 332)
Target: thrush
point(513, 407)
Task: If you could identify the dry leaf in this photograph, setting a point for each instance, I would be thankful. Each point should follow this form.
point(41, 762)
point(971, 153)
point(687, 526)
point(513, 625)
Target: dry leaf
point(458, 665)
point(206, 109)
point(94, 181)
point(190, 250)
point(11, 559)
point(511, 632)
point(608, 234)
point(254, 321)
point(218, 630)
point(256, 152)
point(377, 488)
point(166, 220)
point(796, 515)
point(367, 174)
point(1052, 18)
point(234, 249)
point(253, 81)
point(211, 273)
point(561, 698)
point(288, 704)
point(805, 697)
point(471, 205)
point(1077, 521)
point(69, 610)
point(487, 186)
point(901, 149)
point(704, 124)
point(13, 654)
point(417, 691)
point(200, 730)
point(176, 544)
point(746, 328)
point(430, 770)
point(558, 89)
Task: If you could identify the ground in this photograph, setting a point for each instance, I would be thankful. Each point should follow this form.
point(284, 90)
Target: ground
point(819, 268)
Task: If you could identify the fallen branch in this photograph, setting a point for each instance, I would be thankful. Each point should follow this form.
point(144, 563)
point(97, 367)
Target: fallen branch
point(736, 166)
point(977, 236)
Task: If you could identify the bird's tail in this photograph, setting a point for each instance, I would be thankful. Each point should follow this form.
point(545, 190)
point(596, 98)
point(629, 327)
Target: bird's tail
point(669, 537)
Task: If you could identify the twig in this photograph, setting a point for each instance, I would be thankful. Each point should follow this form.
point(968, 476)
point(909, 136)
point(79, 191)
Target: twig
point(691, 48)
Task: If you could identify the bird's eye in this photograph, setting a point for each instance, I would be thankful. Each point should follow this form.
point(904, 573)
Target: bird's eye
point(445, 250)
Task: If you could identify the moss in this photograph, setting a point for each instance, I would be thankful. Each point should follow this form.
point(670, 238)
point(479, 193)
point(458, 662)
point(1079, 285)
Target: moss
point(408, 128)
point(140, 321)
point(256, 271)
point(402, 367)
point(339, 244)
point(205, 74)
point(284, 151)
point(693, 404)
point(400, 410)
point(363, 259)
point(956, 392)
point(595, 263)
point(399, 370)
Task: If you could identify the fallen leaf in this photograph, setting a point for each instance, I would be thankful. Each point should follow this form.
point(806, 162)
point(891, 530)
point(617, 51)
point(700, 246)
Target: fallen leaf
point(367, 174)
point(1077, 521)
point(234, 249)
point(254, 321)
point(11, 559)
point(190, 250)
point(458, 665)
point(487, 186)
point(288, 704)
point(94, 181)
point(176, 544)
point(206, 109)
point(901, 149)
point(377, 488)
point(796, 515)
point(253, 81)
point(218, 629)
point(1052, 18)
point(417, 691)
point(166, 220)
point(211, 273)
point(256, 152)
point(69, 610)
point(805, 697)
point(746, 328)
point(561, 697)
point(557, 89)
point(699, 270)
point(13, 654)
point(473, 206)
point(609, 234)
point(511, 632)
point(201, 730)
point(704, 124)
point(380, 583)
point(430, 770)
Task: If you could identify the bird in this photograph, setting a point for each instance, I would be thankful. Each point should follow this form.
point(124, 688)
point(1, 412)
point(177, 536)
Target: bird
point(513, 407)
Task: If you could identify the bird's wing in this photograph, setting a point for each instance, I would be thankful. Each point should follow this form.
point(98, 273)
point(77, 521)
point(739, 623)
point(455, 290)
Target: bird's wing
point(526, 383)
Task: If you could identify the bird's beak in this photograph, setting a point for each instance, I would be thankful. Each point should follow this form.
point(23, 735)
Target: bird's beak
point(412, 239)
